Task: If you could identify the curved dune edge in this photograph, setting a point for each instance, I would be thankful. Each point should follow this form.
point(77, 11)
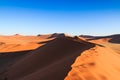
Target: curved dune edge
point(98, 63)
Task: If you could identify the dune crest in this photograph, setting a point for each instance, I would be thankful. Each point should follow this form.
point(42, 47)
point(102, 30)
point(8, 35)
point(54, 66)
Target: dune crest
point(59, 57)
point(51, 61)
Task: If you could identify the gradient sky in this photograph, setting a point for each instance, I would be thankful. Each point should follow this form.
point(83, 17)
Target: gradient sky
point(90, 17)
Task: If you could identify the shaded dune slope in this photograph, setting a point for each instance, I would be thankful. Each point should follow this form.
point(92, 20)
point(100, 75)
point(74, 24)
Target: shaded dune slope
point(51, 61)
point(8, 58)
point(115, 38)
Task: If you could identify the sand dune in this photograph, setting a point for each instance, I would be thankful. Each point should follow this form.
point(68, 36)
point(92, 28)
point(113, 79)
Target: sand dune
point(100, 41)
point(49, 62)
point(98, 63)
point(8, 58)
point(111, 38)
point(112, 41)
point(59, 57)
point(21, 43)
point(13, 48)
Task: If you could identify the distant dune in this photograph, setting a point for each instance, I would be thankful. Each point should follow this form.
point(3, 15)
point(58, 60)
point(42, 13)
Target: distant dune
point(21, 43)
point(112, 38)
point(112, 41)
point(59, 57)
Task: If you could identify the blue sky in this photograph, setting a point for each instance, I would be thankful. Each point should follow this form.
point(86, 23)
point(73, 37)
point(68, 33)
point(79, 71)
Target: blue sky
point(76, 17)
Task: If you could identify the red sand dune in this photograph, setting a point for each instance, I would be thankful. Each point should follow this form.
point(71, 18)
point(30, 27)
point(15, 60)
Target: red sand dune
point(57, 57)
point(13, 48)
point(101, 40)
point(21, 43)
point(49, 62)
point(98, 63)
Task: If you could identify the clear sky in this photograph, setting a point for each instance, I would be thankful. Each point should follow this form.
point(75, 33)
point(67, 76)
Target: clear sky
point(90, 17)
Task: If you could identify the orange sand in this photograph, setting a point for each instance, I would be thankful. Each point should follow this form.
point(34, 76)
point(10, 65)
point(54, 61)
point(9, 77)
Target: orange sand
point(57, 57)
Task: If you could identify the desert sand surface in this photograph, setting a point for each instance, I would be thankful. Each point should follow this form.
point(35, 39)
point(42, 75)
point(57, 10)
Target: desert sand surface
point(13, 47)
point(59, 57)
point(21, 43)
point(49, 62)
point(98, 63)
point(112, 42)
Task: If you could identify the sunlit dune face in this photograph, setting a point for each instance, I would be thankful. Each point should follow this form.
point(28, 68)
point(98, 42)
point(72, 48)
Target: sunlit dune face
point(98, 63)
point(21, 43)
point(102, 40)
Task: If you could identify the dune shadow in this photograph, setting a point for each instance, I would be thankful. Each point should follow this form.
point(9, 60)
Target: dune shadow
point(8, 58)
point(63, 61)
point(115, 40)
point(45, 42)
